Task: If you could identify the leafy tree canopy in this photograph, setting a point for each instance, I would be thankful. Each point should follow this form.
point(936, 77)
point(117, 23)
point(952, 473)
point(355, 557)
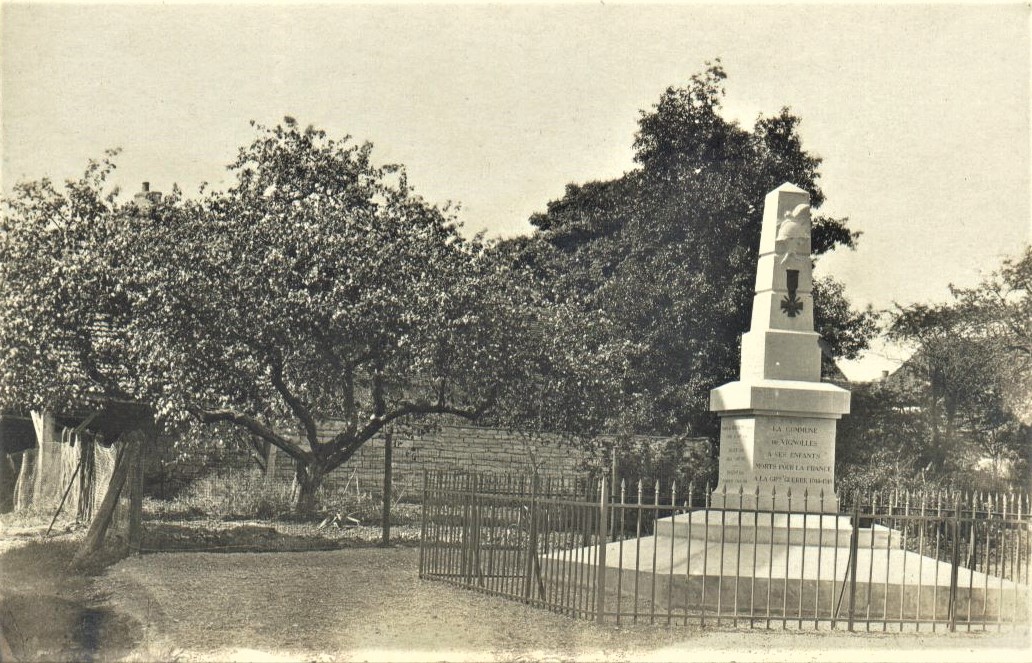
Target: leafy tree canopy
point(317, 286)
point(969, 379)
point(668, 251)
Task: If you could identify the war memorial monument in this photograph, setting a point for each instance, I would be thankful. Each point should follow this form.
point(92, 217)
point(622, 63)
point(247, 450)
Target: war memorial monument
point(772, 540)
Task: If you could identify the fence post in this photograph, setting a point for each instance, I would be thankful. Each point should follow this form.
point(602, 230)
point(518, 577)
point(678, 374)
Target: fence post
point(603, 530)
point(528, 577)
point(423, 523)
point(467, 532)
point(388, 483)
point(135, 481)
point(854, 545)
point(955, 564)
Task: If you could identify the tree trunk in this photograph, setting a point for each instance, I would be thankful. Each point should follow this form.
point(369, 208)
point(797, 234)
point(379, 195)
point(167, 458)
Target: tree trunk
point(308, 477)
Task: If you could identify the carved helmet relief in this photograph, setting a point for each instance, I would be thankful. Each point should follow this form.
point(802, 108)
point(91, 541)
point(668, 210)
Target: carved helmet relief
point(795, 224)
point(793, 243)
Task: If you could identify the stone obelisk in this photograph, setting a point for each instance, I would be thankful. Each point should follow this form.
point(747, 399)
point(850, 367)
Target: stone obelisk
point(777, 422)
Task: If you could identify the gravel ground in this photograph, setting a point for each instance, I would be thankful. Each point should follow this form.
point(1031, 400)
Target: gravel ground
point(368, 604)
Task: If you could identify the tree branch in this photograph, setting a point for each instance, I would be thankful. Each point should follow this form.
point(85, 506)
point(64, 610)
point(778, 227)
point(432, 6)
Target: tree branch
point(296, 406)
point(253, 425)
point(347, 447)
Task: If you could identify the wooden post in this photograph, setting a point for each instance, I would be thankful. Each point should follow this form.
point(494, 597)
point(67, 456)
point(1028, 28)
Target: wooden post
point(87, 473)
point(103, 516)
point(136, 492)
point(25, 486)
point(388, 471)
point(423, 524)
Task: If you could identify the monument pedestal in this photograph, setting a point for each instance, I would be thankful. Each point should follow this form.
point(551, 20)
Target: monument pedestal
point(777, 445)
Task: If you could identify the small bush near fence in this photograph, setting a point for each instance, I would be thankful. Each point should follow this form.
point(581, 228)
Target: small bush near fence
point(248, 495)
point(236, 495)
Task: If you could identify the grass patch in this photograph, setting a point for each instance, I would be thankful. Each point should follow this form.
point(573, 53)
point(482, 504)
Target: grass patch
point(247, 495)
point(239, 495)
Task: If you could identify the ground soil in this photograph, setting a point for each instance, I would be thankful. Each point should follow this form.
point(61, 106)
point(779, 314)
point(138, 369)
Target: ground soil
point(368, 604)
point(357, 602)
point(49, 613)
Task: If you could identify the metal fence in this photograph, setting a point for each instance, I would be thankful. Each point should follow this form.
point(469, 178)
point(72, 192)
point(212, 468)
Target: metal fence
point(946, 561)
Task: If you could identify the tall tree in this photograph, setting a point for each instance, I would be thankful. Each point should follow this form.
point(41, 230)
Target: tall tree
point(667, 252)
point(317, 287)
point(970, 374)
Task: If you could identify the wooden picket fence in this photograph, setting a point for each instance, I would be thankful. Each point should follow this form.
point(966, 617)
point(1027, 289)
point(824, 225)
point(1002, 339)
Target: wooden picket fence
point(642, 554)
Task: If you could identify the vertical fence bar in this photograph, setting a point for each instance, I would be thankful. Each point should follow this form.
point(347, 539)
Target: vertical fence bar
point(528, 565)
point(578, 516)
point(562, 591)
point(603, 531)
point(637, 550)
point(422, 529)
point(854, 550)
point(820, 569)
point(955, 562)
point(903, 579)
point(922, 526)
point(478, 533)
point(707, 501)
point(688, 555)
point(755, 558)
point(972, 540)
point(870, 566)
point(623, 526)
point(1016, 557)
point(802, 560)
point(888, 559)
point(720, 571)
point(1001, 565)
point(834, 574)
point(770, 552)
point(788, 554)
point(655, 552)
point(939, 526)
point(738, 550)
point(673, 540)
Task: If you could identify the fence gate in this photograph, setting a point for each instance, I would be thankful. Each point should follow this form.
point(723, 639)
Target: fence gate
point(642, 554)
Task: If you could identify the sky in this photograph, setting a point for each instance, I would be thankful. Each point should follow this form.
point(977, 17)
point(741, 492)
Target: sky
point(920, 112)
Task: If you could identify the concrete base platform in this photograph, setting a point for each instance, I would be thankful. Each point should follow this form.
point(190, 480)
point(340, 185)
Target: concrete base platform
point(745, 569)
point(760, 527)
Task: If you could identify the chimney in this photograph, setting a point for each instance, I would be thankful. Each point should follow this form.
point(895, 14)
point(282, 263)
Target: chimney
point(884, 375)
point(146, 198)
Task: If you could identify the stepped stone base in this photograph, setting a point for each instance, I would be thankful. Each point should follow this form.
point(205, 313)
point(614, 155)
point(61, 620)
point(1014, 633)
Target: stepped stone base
point(797, 528)
point(736, 564)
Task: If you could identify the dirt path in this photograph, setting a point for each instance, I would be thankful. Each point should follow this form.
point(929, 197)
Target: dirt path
point(368, 604)
point(48, 613)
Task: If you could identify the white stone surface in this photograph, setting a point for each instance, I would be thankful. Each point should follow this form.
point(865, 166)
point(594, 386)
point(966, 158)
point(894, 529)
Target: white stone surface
point(749, 578)
point(778, 420)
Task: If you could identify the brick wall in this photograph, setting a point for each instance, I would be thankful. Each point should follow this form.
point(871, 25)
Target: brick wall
point(449, 447)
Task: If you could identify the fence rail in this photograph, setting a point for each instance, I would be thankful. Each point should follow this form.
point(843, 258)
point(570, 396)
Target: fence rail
point(905, 561)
